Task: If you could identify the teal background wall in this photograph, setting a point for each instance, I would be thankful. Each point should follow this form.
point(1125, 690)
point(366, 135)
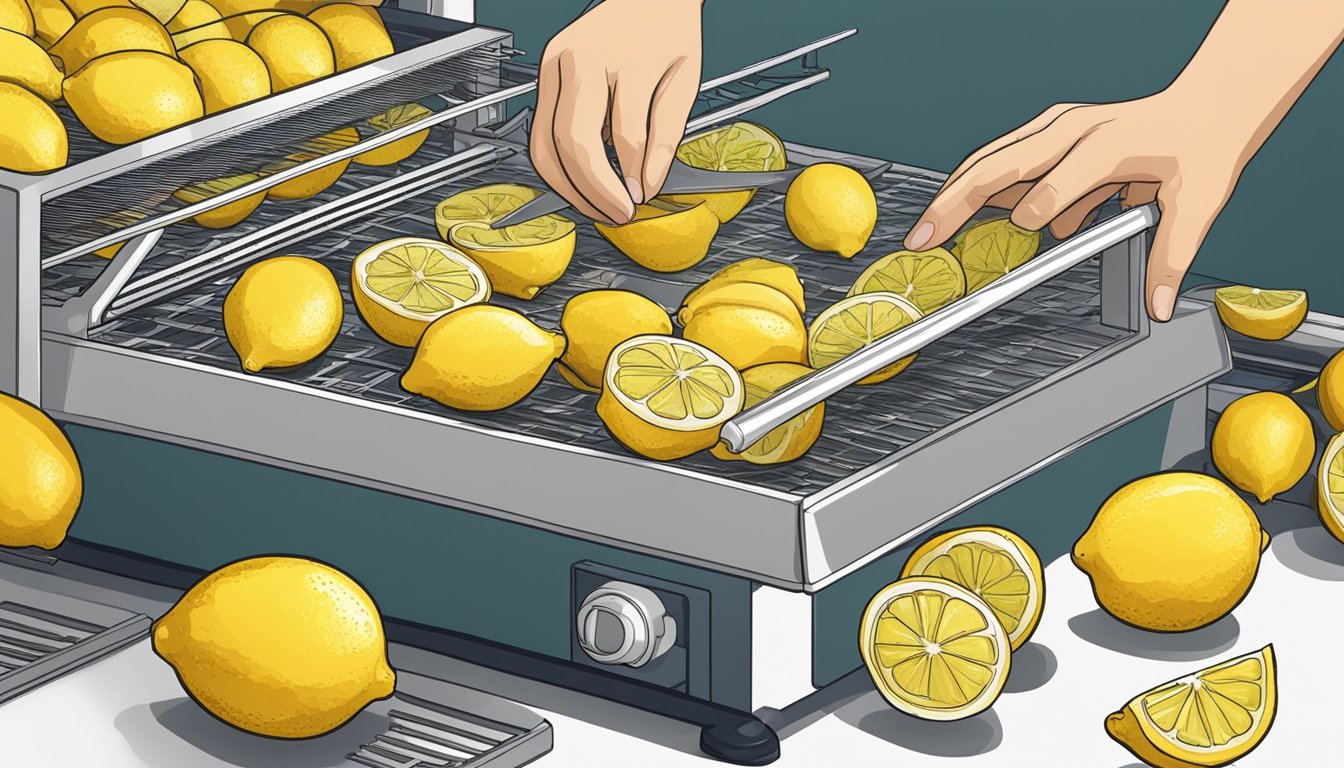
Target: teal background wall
point(927, 81)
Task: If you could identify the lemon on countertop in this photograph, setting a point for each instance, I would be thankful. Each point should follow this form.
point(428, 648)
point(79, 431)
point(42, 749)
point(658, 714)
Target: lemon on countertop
point(226, 215)
point(666, 398)
point(855, 322)
point(296, 50)
point(991, 249)
point(1211, 718)
point(1258, 313)
point(788, 441)
point(831, 208)
point(663, 237)
point(481, 358)
point(595, 323)
point(930, 280)
point(356, 33)
point(741, 146)
point(521, 259)
point(229, 73)
point(126, 96)
point(1263, 443)
point(32, 137)
point(278, 646)
point(1171, 552)
point(282, 312)
point(108, 30)
point(775, 274)
point(1330, 391)
point(23, 62)
point(41, 484)
point(748, 324)
point(402, 285)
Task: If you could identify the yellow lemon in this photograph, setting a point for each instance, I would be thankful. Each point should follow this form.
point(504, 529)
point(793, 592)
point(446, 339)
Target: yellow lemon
point(282, 312)
point(40, 480)
point(748, 324)
point(1171, 552)
point(481, 358)
point(402, 285)
point(32, 136)
point(109, 30)
point(664, 238)
point(1330, 487)
point(1264, 444)
point(16, 16)
point(1330, 391)
point(831, 208)
point(997, 565)
point(356, 32)
point(789, 440)
point(485, 204)
point(741, 294)
point(855, 322)
point(741, 146)
point(991, 249)
point(51, 20)
point(109, 251)
point(226, 215)
point(596, 322)
point(23, 62)
point(929, 280)
point(126, 96)
point(229, 73)
point(665, 398)
point(933, 649)
point(395, 152)
point(296, 50)
point(82, 8)
point(1214, 717)
point(778, 275)
point(521, 259)
point(313, 182)
point(193, 14)
point(1258, 313)
point(278, 646)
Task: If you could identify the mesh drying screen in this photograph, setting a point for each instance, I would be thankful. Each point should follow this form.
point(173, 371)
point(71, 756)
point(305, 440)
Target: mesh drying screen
point(1041, 332)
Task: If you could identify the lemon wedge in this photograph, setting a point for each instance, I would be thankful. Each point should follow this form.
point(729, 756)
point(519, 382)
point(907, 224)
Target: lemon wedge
point(991, 249)
point(665, 398)
point(486, 204)
point(855, 322)
point(775, 274)
point(521, 259)
point(741, 146)
point(1259, 313)
point(930, 280)
point(226, 215)
point(1330, 487)
point(1210, 718)
point(595, 322)
point(395, 152)
point(789, 440)
point(934, 649)
point(402, 285)
point(663, 237)
point(996, 564)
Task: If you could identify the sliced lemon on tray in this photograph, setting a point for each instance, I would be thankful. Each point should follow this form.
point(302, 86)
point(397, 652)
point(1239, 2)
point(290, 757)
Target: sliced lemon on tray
point(934, 649)
point(664, 237)
point(313, 182)
point(665, 398)
point(996, 564)
point(1210, 718)
point(855, 322)
point(741, 146)
point(226, 215)
point(930, 280)
point(395, 152)
point(755, 270)
point(400, 286)
point(522, 259)
point(1260, 313)
point(488, 204)
point(789, 440)
point(991, 249)
point(1330, 487)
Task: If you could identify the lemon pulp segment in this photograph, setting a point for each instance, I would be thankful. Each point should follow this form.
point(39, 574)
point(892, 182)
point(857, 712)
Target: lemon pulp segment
point(855, 322)
point(789, 440)
point(400, 286)
point(741, 146)
point(1259, 313)
point(929, 280)
point(396, 151)
point(991, 249)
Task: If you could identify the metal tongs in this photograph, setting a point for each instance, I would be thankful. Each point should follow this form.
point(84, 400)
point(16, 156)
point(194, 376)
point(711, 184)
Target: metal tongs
point(681, 179)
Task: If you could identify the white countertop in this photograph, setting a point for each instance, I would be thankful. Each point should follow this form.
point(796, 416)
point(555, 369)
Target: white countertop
point(128, 711)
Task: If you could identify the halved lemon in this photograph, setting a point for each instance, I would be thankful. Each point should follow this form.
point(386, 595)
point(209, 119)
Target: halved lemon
point(1210, 718)
point(930, 280)
point(595, 322)
point(400, 286)
point(1330, 487)
point(991, 249)
point(227, 215)
point(996, 564)
point(774, 274)
point(1260, 313)
point(313, 182)
point(487, 204)
point(747, 323)
point(522, 259)
point(665, 398)
point(789, 440)
point(396, 117)
point(665, 237)
point(855, 322)
point(741, 146)
point(934, 649)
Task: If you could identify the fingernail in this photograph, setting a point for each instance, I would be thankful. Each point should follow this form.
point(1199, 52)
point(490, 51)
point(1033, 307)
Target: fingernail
point(920, 237)
point(1164, 297)
point(636, 192)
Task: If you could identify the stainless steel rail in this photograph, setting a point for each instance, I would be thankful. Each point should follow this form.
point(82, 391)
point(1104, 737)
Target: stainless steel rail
point(754, 423)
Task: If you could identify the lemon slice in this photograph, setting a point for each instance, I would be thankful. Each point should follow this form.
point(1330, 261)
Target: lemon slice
point(483, 204)
point(396, 117)
point(665, 398)
point(991, 249)
point(402, 285)
point(789, 440)
point(930, 280)
point(934, 649)
point(1330, 487)
point(741, 146)
point(1260, 313)
point(997, 565)
point(773, 274)
point(1210, 718)
point(227, 215)
point(522, 259)
point(664, 237)
point(855, 322)
point(1330, 391)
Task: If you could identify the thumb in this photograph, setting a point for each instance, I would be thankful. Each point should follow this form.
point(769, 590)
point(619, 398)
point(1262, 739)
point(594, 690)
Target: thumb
point(1186, 221)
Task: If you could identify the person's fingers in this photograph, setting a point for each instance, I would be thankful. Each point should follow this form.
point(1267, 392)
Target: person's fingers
point(1077, 174)
point(1138, 193)
point(1080, 214)
point(630, 106)
point(1186, 220)
point(541, 144)
point(580, 111)
point(671, 106)
point(1033, 126)
point(1009, 197)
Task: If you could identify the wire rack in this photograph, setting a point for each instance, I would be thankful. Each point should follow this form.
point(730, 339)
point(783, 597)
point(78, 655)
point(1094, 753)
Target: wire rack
point(1045, 330)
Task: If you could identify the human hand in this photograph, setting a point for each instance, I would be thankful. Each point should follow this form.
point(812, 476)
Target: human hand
point(629, 69)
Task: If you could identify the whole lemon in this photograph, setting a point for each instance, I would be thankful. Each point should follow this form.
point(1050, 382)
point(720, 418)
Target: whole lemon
point(1171, 552)
point(831, 208)
point(749, 324)
point(595, 323)
point(356, 32)
point(295, 50)
point(124, 97)
point(282, 312)
point(32, 136)
point(279, 646)
point(229, 73)
point(1330, 391)
point(23, 62)
point(40, 479)
point(1264, 444)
